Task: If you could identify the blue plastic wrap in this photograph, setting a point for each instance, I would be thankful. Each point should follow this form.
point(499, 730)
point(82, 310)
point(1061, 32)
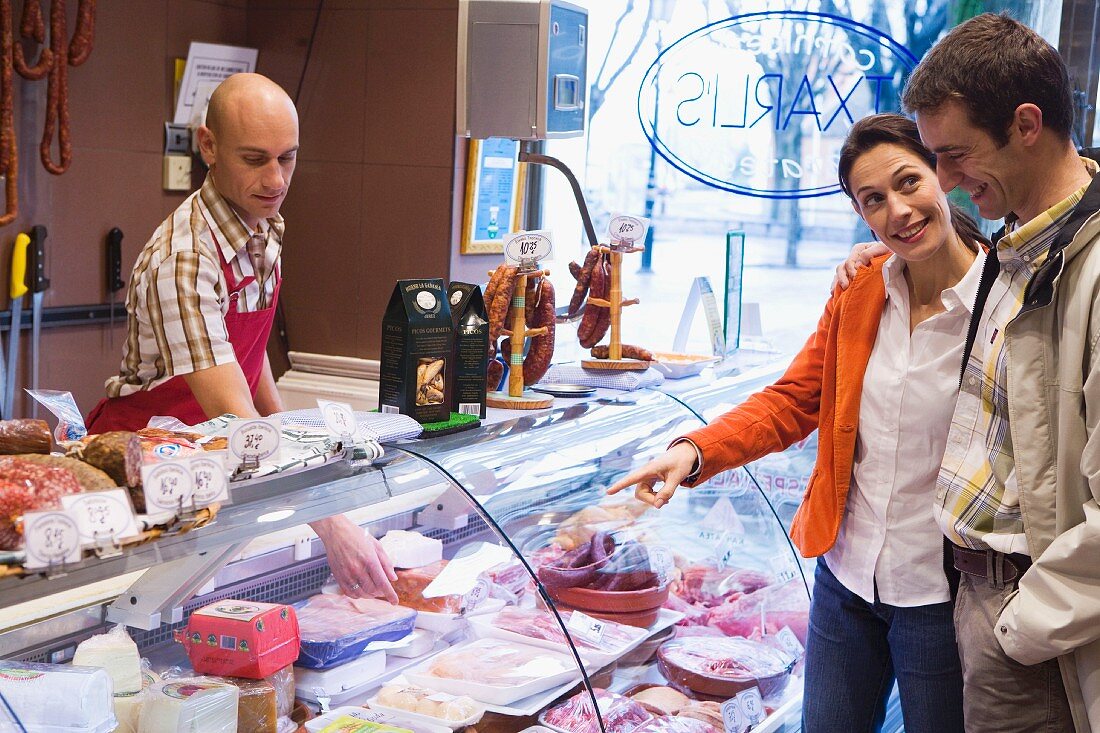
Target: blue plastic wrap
point(336, 629)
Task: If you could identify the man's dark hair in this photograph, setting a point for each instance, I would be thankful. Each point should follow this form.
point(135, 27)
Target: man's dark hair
point(992, 64)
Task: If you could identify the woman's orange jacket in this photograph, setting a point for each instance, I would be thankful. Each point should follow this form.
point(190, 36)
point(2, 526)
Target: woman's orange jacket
point(819, 391)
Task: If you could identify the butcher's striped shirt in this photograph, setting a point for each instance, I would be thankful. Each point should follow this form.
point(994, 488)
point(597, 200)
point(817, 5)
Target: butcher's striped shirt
point(177, 294)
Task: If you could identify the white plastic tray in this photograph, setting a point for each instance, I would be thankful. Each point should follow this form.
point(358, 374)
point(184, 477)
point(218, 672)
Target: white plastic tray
point(335, 680)
point(496, 695)
point(426, 720)
point(360, 687)
point(484, 628)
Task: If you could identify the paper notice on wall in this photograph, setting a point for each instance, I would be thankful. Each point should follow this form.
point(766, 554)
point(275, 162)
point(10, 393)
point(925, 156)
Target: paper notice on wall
point(208, 64)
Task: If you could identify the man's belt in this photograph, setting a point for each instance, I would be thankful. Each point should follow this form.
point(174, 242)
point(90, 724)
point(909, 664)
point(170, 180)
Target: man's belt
point(990, 564)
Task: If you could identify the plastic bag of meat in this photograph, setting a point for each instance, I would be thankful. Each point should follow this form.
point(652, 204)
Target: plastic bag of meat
point(335, 629)
point(676, 724)
point(538, 624)
point(723, 666)
point(410, 585)
point(29, 487)
point(575, 715)
point(782, 605)
point(710, 586)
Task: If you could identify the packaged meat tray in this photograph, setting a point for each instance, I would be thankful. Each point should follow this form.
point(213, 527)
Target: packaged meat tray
point(676, 724)
point(235, 638)
point(410, 585)
point(539, 628)
point(420, 705)
point(723, 666)
point(336, 629)
point(494, 671)
point(575, 715)
point(54, 698)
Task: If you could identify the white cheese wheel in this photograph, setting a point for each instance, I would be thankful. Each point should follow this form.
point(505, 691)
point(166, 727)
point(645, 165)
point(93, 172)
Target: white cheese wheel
point(118, 654)
point(198, 704)
point(411, 549)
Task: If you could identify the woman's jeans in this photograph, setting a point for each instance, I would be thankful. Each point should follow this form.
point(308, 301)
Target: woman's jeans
point(854, 652)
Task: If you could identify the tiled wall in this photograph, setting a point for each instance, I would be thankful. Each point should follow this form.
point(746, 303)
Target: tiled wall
point(372, 197)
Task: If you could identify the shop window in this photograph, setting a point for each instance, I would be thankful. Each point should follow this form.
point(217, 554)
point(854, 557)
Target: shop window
point(792, 244)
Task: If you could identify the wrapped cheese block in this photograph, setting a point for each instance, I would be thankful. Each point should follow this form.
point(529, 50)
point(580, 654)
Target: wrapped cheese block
point(115, 652)
point(411, 549)
point(410, 585)
point(241, 638)
point(256, 707)
point(336, 629)
point(128, 706)
point(54, 698)
point(283, 681)
point(192, 704)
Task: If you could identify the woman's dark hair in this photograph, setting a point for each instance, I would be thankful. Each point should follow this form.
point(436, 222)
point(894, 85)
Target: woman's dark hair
point(894, 129)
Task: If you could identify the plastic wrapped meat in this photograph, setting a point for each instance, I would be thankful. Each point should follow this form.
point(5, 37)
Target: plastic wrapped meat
point(723, 666)
point(498, 663)
point(575, 715)
point(710, 586)
point(676, 724)
point(511, 576)
point(783, 605)
point(410, 585)
point(335, 629)
point(537, 624)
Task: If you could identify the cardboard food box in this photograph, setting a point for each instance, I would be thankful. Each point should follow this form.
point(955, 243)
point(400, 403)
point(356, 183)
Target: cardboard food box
point(241, 638)
point(471, 348)
point(417, 339)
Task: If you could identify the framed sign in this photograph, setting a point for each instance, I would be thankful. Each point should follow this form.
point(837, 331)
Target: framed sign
point(495, 186)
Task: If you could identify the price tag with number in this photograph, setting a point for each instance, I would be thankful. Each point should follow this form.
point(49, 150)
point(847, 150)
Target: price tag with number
point(528, 247)
point(790, 642)
point(585, 627)
point(661, 563)
point(340, 421)
point(101, 515)
point(254, 440)
point(168, 486)
point(783, 567)
point(211, 484)
point(52, 538)
point(743, 711)
point(628, 230)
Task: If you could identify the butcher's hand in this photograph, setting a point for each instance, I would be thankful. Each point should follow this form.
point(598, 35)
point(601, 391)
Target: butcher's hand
point(860, 256)
point(670, 469)
point(357, 560)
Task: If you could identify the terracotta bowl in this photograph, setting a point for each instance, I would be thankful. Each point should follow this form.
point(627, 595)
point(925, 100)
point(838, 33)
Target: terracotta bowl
point(612, 601)
point(641, 619)
point(723, 687)
point(645, 651)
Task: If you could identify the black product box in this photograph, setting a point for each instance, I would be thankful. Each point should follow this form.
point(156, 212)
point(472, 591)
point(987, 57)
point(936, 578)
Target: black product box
point(417, 338)
point(471, 349)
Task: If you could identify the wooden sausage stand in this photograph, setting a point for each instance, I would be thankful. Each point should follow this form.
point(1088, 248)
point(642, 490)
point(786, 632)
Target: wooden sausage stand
point(517, 398)
point(615, 303)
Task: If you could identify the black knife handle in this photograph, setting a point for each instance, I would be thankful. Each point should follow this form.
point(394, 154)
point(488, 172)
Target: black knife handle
point(37, 270)
point(114, 260)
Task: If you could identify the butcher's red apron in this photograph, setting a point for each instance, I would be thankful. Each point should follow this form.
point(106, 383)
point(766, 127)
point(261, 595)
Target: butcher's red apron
point(248, 333)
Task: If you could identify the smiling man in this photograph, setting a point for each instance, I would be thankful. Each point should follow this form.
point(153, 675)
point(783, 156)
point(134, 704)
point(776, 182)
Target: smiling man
point(202, 298)
point(1017, 491)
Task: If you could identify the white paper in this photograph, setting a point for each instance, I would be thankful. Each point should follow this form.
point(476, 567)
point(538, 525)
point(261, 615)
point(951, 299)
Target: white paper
point(461, 574)
point(102, 515)
point(206, 63)
point(167, 485)
point(52, 538)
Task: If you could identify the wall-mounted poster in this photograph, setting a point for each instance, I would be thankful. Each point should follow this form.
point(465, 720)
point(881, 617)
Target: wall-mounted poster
point(495, 186)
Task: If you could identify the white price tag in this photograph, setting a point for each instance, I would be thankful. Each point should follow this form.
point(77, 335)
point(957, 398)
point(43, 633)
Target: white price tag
point(477, 594)
point(340, 420)
point(783, 568)
point(168, 486)
point(743, 711)
point(528, 247)
point(629, 230)
point(102, 515)
point(208, 476)
point(585, 627)
point(52, 538)
point(790, 642)
point(256, 439)
point(661, 562)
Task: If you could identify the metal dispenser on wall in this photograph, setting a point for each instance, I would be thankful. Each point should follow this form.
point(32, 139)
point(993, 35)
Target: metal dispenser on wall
point(522, 69)
point(523, 75)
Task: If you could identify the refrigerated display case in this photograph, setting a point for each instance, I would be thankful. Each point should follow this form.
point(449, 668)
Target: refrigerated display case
point(510, 625)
